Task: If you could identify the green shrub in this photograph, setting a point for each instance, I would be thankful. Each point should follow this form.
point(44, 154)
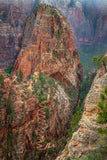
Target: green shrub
point(20, 76)
point(50, 150)
point(9, 142)
point(92, 156)
point(67, 158)
point(36, 124)
point(0, 124)
point(43, 103)
point(102, 117)
point(74, 54)
point(57, 18)
point(9, 109)
point(56, 100)
point(26, 155)
point(1, 81)
point(74, 123)
point(41, 87)
point(54, 52)
point(20, 45)
point(48, 49)
point(47, 112)
point(9, 69)
point(59, 31)
point(101, 61)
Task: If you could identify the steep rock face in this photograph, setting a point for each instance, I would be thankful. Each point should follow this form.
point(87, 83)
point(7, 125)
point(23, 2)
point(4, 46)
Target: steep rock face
point(12, 22)
point(86, 138)
point(31, 113)
point(19, 113)
point(40, 108)
point(88, 20)
point(48, 46)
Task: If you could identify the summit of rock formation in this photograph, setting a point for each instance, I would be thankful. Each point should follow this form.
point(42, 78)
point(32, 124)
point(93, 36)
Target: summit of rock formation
point(88, 19)
point(48, 46)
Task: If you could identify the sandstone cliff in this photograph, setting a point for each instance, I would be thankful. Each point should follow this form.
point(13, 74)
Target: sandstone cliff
point(88, 22)
point(48, 46)
point(86, 138)
point(12, 22)
point(35, 112)
point(87, 18)
point(34, 115)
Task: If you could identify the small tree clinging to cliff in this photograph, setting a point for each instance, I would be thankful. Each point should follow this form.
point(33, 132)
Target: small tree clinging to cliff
point(1, 81)
point(20, 76)
point(101, 61)
point(102, 119)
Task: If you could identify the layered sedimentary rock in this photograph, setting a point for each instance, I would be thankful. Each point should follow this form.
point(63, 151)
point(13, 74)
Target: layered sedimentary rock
point(88, 21)
point(87, 18)
point(48, 46)
point(30, 120)
point(12, 22)
point(86, 138)
point(36, 111)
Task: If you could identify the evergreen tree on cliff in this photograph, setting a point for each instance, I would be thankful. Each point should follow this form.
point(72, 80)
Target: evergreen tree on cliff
point(101, 61)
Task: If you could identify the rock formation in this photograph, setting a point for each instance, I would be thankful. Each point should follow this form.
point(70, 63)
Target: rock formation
point(37, 110)
point(87, 19)
point(12, 22)
point(48, 46)
point(88, 22)
point(86, 138)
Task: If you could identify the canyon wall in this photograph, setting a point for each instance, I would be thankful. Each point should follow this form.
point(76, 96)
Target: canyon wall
point(88, 21)
point(48, 46)
point(87, 18)
point(86, 139)
point(12, 23)
point(38, 100)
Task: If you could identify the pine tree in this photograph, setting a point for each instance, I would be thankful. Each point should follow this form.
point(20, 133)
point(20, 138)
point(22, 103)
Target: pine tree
point(102, 119)
point(101, 61)
point(20, 76)
point(1, 81)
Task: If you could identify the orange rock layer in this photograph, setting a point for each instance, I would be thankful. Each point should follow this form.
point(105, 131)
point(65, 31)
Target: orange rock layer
point(48, 46)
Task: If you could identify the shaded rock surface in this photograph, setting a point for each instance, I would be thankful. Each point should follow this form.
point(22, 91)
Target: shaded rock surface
point(12, 23)
point(86, 138)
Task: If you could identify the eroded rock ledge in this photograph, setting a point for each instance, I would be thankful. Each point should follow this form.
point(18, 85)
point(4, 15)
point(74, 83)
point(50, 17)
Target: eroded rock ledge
point(85, 139)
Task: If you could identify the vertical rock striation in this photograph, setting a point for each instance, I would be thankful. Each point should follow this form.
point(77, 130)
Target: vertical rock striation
point(86, 138)
point(13, 16)
point(48, 46)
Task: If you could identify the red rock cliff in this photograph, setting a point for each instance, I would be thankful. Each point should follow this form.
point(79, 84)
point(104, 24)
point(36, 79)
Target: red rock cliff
point(12, 23)
point(48, 46)
point(36, 112)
